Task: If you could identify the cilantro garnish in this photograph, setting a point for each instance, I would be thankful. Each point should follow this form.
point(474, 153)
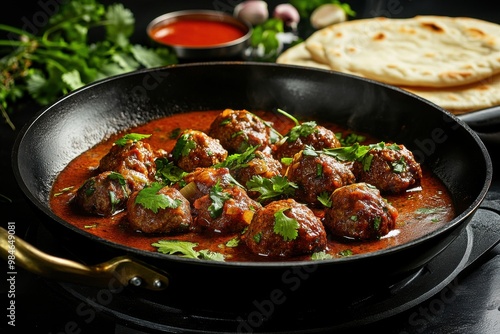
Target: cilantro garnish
point(321, 256)
point(131, 137)
point(186, 249)
point(346, 252)
point(285, 226)
point(238, 160)
point(59, 57)
point(399, 166)
point(358, 152)
point(299, 130)
point(218, 197)
point(324, 198)
point(183, 146)
point(350, 139)
point(149, 198)
point(275, 186)
point(168, 172)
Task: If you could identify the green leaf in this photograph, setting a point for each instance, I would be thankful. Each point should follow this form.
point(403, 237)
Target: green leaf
point(218, 197)
point(324, 198)
point(72, 79)
point(152, 57)
point(119, 24)
point(173, 247)
point(131, 137)
point(238, 160)
point(149, 198)
point(271, 187)
point(183, 146)
point(206, 254)
point(321, 256)
point(285, 226)
point(168, 172)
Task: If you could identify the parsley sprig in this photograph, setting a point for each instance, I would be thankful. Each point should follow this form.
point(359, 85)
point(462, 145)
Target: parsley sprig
point(152, 200)
point(276, 186)
point(60, 57)
point(186, 249)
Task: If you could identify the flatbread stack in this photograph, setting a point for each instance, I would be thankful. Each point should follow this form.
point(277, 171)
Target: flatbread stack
point(453, 62)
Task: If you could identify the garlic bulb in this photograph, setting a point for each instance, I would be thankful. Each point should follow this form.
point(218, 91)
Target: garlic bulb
point(254, 12)
point(288, 14)
point(326, 15)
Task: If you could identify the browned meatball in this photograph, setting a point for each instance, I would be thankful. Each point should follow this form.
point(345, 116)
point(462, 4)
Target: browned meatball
point(170, 213)
point(317, 174)
point(223, 211)
point(195, 149)
point(392, 168)
point(238, 130)
point(306, 134)
point(199, 182)
point(134, 160)
point(359, 212)
point(260, 163)
point(285, 228)
point(104, 194)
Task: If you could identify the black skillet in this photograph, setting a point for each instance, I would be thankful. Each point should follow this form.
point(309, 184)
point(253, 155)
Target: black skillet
point(81, 119)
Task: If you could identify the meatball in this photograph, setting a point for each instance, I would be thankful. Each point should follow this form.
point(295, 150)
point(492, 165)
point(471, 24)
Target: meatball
point(104, 194)
point(134, 160)
point(171, 215)
point(200, 181)
point(316, 174)
point(285, 228)
point(306, 134)
point(392, 169)
point(223, 211)
point(238, 130)
point(359, 212)
point(262, 164)
point(196, 149)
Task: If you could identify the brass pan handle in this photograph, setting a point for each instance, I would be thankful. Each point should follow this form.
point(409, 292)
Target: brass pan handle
point(124, 269)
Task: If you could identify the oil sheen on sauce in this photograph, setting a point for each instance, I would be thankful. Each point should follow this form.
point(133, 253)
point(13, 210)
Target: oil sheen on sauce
point(196, 33)
point(421, 210)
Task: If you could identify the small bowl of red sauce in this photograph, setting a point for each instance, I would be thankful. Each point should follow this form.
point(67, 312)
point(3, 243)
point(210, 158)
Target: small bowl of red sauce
point(201, 34)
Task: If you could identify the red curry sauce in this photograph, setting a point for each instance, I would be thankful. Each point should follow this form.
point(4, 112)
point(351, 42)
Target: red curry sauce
point(196, 33)
point(421, 210)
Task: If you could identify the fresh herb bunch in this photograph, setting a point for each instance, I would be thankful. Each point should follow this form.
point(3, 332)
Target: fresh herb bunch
point(61, 58)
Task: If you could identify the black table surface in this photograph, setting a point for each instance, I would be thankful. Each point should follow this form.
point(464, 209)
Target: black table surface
point(469, 304)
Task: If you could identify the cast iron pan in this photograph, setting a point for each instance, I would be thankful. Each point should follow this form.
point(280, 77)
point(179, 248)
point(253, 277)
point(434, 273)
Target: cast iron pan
point(83, 118)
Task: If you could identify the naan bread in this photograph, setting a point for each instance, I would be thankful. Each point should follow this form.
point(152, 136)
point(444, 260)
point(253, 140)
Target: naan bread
point(458, 100)
point(428, 51)
point(298, 55)
point(463, 99)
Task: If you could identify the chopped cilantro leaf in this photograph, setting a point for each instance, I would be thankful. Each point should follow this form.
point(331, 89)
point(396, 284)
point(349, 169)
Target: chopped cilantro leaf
point(149, 198)
point(183, 146)
point(167, 172)
point(321, 256)
point(285, 226)
point(218, 197)
point(271, 187)
point(324, 198)
point(172, 247)
point(131, 137)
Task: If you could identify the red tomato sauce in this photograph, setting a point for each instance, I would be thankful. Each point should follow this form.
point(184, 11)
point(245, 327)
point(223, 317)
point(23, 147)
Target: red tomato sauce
point(196, 33)
point(421, 210)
